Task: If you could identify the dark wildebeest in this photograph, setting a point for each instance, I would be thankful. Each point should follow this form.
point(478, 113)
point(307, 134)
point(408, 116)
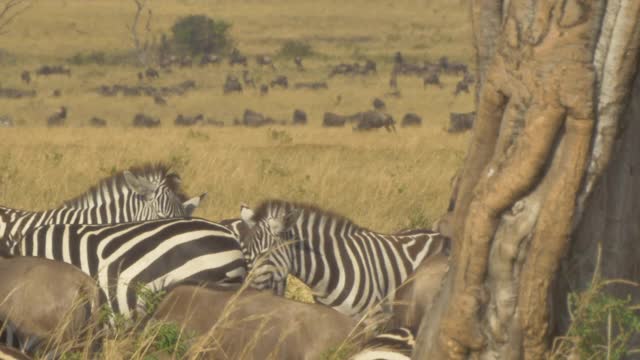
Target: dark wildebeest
point(253, 119)
point(247, 79)
point(432, 78)
point(46, 70)
point(186, 61)
point(182, 120)
point(453, 68)
point(58, 118)
point(264, 89)
point(209, 59)
point(379, 104)
point(333, 120)
point(375, 120)
point(97, 122)
point(6, 121)
point(343, 69)
point(232, 84)
point(264, 60)
point(397, 58)
point(461, 86)
point(370, 66)
point(45, 300)
point(159, 100)
point(299, 117)
point(140, 76)
point(280, 80)
point(56, 93)
point(151, 73)
point(316, 85)
point(142, 120)
point(393, 81)
point(298, 61)
point(25, 76)
point(257, 324)
point(459, 122)
point(237, 58)
point(411, 119)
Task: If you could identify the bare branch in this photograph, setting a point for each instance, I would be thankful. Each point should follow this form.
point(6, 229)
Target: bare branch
point(141, 43)
point(10, 10)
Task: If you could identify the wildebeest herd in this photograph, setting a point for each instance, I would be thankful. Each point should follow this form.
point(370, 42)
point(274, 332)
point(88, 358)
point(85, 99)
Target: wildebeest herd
point(375, 118)
point(135, 230)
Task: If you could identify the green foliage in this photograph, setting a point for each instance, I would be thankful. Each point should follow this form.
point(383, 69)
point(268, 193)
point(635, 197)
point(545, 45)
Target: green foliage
point(149, 298)
point(418, 219)
point(199, 34)
point(293, 48)
point(170, 339)
point(603, 325)
point(116, 321)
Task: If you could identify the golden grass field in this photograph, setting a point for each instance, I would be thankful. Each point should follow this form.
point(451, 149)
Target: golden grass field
point(381, 180)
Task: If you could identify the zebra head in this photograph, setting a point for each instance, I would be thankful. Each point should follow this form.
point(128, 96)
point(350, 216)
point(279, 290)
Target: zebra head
point(156, 198)
point(267, 243)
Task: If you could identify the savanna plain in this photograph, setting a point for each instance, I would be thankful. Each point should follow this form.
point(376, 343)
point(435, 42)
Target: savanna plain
point(381, 180)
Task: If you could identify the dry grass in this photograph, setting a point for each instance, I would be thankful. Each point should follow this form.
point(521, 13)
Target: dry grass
point(381, 181)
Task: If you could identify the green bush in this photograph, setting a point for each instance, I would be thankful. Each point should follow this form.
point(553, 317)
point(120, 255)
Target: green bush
point(293, 48)
point(199, 34)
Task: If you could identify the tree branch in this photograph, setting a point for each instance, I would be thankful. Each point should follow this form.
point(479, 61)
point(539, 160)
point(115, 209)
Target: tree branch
point(11, 10)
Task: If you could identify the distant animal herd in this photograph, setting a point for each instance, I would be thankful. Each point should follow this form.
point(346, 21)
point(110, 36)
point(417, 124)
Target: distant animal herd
point(375, 118)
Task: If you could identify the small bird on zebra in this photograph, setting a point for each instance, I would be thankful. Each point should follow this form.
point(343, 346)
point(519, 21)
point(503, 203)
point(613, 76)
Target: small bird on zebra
point(350, 268)
point(145, 192)
point(154, 254)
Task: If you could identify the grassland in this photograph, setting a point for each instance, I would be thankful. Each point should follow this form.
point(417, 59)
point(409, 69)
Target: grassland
point(383, 181)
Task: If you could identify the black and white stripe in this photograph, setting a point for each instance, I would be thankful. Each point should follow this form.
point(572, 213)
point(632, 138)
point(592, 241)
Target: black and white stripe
point(140, 193)
point(348, 267)
point(156, 254)
point(394, 344)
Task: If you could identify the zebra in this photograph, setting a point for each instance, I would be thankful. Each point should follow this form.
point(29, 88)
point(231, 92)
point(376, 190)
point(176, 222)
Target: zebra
point(156, 254)
point(140, 193)
point(394, 344)
point(348, 267)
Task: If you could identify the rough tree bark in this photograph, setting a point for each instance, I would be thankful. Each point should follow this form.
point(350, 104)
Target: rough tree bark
point(556, 75)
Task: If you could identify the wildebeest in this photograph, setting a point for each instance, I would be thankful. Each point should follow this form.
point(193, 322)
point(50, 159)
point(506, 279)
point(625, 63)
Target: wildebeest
point(316, 85)
point(264, 60)
point(370, 66)
point(451, 67)
point(393, 81)
point(247, 79)
point(333, 120)
point(280, 80)
point(142, 120)
point(299, 117)
point(375, 120)
point(459, 122)
point(232, 84)
point(397, 58)
point(140, 76)
point(182, 120)
point(25, 76)
point(264, 89)
point(44, 299)
point(257, 324)
point(237, 58)
point(379, 104)
point(411, 119)
point(432, 78)
point(11, 93)
point(56, 93)
point(151, 73)
point(97, 122)
point(461, 86)
point(209, 59)
point(58, 118)
point(46, 70)
point(186, 61)
point(298, 61)
point(254, 119)
point(159, 100)
point(6, 121)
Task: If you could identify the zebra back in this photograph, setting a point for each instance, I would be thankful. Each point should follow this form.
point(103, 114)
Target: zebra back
point(152, 254)
point(140, 193)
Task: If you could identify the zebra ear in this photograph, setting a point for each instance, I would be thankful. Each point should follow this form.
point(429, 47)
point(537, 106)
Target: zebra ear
point(139, 185)
point(246, 214)
point(191, 204)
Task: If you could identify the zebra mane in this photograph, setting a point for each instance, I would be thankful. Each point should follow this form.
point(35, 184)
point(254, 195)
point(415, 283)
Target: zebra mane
point(268, 207)
point(156, 173)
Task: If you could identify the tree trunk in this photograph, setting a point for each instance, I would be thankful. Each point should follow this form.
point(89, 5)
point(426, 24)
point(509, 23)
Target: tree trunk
point(556, 76)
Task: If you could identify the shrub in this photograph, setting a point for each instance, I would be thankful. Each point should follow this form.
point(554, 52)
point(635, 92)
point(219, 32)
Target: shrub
point(293, 48)
point(94, 57)
point(199, 34)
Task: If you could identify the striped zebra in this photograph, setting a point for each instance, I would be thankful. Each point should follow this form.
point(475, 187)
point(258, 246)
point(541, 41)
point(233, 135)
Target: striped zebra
point(348, 267)
point(156, 254)
point(394, 344)
point(140, 193)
